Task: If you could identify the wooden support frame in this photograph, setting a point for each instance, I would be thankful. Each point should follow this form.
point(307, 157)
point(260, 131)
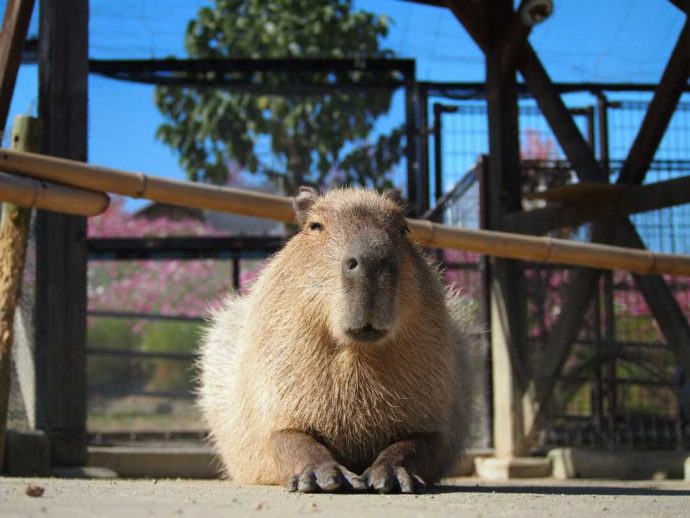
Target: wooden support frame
point(508, 311)
point(515, 37)
point(632, 199)
point(659, 113)
point(15, 25)
point(579, 153)
point(683, 5)
point(60, 312)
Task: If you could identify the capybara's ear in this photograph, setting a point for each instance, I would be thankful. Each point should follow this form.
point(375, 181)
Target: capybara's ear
point(395, 196)
point(304, 202)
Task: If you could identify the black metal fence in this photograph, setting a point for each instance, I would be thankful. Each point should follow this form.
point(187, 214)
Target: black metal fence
point(620, 385)
point(140, 358)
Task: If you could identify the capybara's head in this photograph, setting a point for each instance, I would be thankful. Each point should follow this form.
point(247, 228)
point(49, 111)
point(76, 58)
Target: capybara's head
point(359, 255)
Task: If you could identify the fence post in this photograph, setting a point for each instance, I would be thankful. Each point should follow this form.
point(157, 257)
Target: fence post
point(14, 231)
point(60, 313)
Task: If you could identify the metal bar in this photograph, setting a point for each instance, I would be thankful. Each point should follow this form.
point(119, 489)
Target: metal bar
point(188, 395)
point(622, 381)
point(659, 113)
point(610, 344)
point(597, 393)
point(185, 248)
point(404, 66)
point(603, 127)
point(147, 355)
point(141, 316)
point(474, 90)
point(423, 146)
point(482, 175)
point(589, 114)
point(414, 187)
point(438, 153)
point(295, 75)
point(236, 280)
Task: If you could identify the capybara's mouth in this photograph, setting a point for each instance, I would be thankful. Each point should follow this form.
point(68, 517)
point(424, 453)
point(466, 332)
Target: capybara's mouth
point(368, 333)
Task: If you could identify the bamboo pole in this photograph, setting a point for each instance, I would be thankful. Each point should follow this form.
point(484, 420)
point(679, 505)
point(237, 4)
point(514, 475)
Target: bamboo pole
point(14, 231)
point(40, 194)
point(429, 234)
point(139, 185)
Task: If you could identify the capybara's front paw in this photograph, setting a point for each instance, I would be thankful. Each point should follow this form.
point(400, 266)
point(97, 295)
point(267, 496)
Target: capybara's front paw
point(328, 477)
point(389, 477)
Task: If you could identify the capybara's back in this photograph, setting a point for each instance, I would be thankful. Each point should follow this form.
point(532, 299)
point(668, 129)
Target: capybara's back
point(345, 365)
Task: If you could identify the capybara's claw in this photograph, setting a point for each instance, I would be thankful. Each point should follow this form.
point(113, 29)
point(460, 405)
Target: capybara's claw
point(327, 478)
point(307, 482)
point(388, 478)
point(292, 484)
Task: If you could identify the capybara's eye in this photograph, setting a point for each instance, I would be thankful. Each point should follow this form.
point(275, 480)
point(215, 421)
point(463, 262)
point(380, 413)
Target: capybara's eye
point(315, 225)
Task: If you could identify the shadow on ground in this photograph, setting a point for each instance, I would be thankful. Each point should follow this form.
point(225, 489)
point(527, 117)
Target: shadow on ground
point(560, 490)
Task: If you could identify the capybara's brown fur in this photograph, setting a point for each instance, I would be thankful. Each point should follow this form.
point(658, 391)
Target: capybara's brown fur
point(345, 364)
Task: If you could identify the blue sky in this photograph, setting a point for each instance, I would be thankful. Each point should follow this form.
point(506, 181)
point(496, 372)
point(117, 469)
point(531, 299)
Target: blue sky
point(585, 40)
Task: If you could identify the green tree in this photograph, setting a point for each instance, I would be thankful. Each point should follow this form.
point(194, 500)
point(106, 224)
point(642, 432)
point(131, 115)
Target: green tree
point(312, 137)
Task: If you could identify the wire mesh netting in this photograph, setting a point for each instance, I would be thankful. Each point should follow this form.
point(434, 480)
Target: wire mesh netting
point(620, 384)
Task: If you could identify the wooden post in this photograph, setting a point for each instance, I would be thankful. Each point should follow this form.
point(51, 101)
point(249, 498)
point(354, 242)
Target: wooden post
point(14, 230)
point(60, 312)
point(508, 336)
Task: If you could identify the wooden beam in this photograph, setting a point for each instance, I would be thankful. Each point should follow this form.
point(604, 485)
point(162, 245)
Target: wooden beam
point(515, 37)
point(683, 5)
point(511, 373)
point(659, 113)
point(473, 16)
point(577, 299)
point(15, 26)
point(673, 323)
point(60, 313)
point(628, 200)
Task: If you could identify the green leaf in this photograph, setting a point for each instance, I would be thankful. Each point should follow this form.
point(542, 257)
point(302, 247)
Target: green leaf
point(312, 137)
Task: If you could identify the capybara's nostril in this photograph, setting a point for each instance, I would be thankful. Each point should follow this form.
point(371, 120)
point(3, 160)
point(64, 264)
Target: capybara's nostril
point(351, 263)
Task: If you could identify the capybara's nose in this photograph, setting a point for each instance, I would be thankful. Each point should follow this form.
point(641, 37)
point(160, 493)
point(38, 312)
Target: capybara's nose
point(369, 256)
point(368, 266)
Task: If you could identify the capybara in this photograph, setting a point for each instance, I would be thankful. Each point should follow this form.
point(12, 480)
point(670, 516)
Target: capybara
point(344, 367)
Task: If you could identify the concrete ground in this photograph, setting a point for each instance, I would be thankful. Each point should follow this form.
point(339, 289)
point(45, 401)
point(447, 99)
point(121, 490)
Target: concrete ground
point(71, 498)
